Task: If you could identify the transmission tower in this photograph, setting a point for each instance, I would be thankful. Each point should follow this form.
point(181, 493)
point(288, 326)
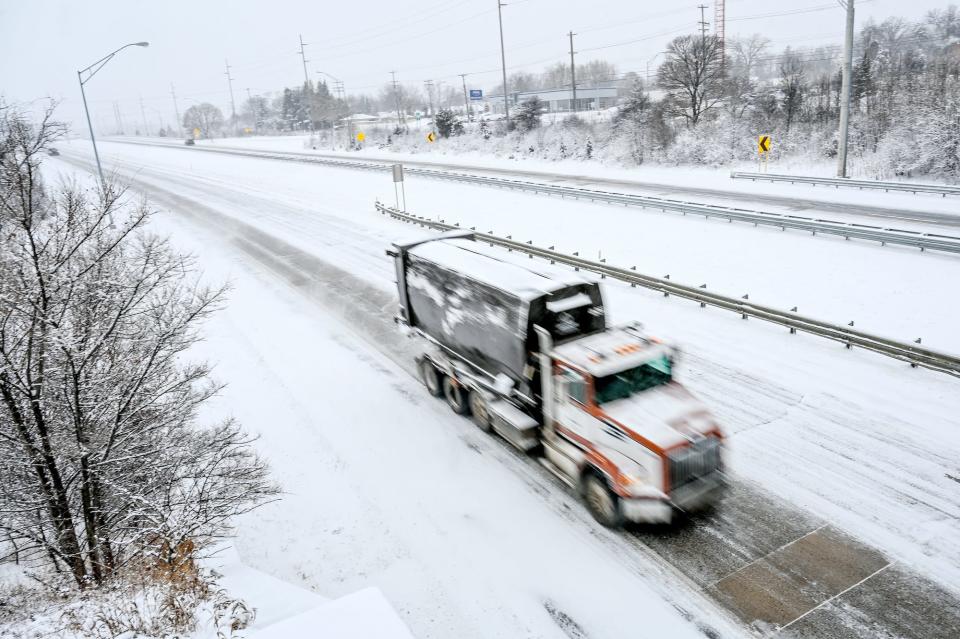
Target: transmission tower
point(720, 26)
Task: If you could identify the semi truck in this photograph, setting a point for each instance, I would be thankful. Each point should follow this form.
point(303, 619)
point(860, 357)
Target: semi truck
point(525, 351)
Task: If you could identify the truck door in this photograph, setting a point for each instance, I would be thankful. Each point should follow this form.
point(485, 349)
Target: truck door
point(571, 405)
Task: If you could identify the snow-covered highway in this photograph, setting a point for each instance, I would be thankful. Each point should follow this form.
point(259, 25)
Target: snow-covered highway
point(925, 213)
point(858, 470)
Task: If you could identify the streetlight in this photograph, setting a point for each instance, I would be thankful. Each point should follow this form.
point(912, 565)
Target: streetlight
point(99, 65)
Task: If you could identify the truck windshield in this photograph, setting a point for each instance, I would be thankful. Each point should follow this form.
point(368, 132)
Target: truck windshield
point(633, 380)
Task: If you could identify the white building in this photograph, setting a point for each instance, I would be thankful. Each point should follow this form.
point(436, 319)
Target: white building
point(557, 100)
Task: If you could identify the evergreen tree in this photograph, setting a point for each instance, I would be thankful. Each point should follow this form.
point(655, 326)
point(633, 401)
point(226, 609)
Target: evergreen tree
point(528, 114)
point(447, 123)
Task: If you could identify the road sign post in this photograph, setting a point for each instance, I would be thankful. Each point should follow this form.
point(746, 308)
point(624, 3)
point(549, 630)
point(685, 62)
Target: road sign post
point(398, 179)
point(763, 150)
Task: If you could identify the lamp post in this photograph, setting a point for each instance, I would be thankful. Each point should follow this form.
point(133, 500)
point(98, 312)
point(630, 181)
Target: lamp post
point(91, 71)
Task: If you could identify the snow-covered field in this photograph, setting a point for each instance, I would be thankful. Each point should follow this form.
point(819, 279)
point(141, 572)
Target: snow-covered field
point(866, 443)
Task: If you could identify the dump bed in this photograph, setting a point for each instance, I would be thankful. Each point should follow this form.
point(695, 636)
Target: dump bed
point(482, 307)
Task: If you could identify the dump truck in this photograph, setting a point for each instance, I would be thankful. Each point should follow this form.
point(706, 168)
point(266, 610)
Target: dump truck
point(526, 352)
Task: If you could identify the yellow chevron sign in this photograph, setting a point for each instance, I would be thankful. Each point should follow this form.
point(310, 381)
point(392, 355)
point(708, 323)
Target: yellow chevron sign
point(763, 144)
point(431, 137)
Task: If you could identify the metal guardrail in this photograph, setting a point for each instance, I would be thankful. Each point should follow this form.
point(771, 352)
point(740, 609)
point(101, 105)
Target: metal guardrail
point(912, 353)
point(884, 235)
point(938, 189)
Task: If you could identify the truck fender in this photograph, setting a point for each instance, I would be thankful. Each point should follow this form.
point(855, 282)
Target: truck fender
point(603, 468)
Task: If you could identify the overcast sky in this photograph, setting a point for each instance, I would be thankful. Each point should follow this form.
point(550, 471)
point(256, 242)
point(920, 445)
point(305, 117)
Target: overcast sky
point(44, 42)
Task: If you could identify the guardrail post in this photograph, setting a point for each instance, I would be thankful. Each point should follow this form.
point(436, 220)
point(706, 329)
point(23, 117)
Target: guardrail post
point(793, 329)
point(849, 345)
point(743, 314)
point(702, 303)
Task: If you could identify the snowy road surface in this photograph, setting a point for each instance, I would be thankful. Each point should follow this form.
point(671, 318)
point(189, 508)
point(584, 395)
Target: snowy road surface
point(866, 444)
point(905, 210)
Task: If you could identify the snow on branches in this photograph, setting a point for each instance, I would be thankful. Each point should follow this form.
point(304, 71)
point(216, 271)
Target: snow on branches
point(102, 462)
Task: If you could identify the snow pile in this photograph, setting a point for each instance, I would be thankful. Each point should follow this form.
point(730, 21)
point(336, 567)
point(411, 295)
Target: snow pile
point(362, 615)
point(125, 607)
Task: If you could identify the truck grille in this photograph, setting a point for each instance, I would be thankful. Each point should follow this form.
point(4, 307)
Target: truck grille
point(699, 459)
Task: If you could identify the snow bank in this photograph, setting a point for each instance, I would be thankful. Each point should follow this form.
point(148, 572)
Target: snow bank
point(363, 615)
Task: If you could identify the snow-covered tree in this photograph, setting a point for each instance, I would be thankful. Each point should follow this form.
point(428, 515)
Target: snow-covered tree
point(692, 76)
point(632, 120)
point(448, 123)
point(527, 115)
point(206, 117)
point(102, 461)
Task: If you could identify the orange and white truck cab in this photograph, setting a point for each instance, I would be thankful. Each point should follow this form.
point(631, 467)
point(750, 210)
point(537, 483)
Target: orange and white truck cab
point(618, 427)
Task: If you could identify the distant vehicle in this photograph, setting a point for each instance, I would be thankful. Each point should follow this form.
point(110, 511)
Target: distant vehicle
point(189, 142)
point(528, 353)
point(53, 151)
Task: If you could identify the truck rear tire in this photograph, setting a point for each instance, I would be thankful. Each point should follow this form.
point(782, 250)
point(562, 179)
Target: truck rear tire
point(601, 502)
point(481, 415)
point(455, 395)
point(430, 377)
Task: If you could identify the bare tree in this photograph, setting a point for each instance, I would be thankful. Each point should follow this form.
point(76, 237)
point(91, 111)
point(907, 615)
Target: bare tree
point(206, 117)
point(747, 53)
point(101, 460)
point(792, 85)
point(692, 75)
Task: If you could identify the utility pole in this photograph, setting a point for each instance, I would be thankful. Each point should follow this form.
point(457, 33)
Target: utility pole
point(466, 102)
point(143, 116)
point(429, 85)
point(396, 96)
point(306, 82)
point(256, 111)
point(306, 78)
point(703, 21)
point(573, 74)
point(233, 105)
point(176, 111)
point(703, 24)
point(845, 90)
point(503, 63)
point(116, 114)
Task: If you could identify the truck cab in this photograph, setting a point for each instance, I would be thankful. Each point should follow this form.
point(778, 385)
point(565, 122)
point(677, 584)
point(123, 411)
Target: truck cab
point(619, 428)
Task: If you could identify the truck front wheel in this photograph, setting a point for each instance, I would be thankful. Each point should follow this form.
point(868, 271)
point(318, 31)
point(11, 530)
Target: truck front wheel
point(455, 395)
point(601, 502)
point(431, 378)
